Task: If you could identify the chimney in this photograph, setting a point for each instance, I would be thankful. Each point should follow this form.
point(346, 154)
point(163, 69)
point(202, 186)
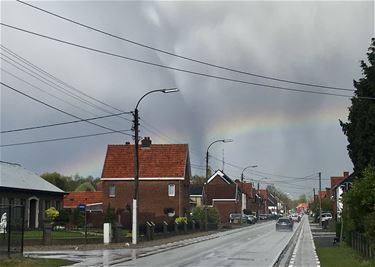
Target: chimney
point(346, 174)
point(146, 142)
point(127, 143)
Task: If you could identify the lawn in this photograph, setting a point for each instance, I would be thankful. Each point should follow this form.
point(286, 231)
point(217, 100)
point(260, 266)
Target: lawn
point(343, 256)
point(33, 262)
point(35, 234)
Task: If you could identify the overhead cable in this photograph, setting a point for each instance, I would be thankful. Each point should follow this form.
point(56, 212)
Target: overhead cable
point(179, 69)
point(181, 56)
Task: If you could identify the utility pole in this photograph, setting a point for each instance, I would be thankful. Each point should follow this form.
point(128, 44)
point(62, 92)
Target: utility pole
point(258, 204)
point(136, 179)
point(320, 199)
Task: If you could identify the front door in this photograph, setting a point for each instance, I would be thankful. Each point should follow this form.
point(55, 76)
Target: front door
point(32, 215)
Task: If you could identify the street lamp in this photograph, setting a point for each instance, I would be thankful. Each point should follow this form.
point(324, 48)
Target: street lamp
point(205, 185)
point(136, 162)
point(242, 177)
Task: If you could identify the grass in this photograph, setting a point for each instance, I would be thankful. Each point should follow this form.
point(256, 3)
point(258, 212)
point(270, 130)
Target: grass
point(36, 234)
point(343, 256)
point(33, 262)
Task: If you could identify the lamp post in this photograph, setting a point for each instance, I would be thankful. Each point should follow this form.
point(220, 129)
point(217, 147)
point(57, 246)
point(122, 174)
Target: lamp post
point(242, 178)
point(205, 185)
point(136, 162)
point(258, 192)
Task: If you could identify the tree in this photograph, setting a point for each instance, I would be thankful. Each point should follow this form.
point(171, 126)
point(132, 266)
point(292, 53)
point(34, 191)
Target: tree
point(85, 187)
point(360, 127)
point(359, 208)
point(199, 180)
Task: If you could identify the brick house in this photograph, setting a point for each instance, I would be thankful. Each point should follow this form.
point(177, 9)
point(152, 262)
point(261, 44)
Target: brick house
point(339, 184)
point(223, 193)
point(263, 205)
point(249, 199)
point(164, 177)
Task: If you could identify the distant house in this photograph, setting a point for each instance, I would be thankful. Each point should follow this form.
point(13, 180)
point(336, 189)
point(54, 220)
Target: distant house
point(23, 187)
point(263, 207)
point(339, 185)
point(223, 193)
point(93, 202)
point(272, 204)
point(195, 193)
point(164, 178)
point(248, 198)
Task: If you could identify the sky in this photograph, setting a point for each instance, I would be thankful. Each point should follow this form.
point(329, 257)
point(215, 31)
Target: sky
point(287, 134)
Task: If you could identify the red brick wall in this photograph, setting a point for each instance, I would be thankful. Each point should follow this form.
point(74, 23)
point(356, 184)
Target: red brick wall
point(219, 189)
point(153, 198)
point(227, 207)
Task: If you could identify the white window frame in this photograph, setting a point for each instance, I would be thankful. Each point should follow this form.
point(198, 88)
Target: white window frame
point(112, 190)
point(171, 190)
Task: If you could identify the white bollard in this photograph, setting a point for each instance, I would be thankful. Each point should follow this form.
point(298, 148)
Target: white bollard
point(107, 233)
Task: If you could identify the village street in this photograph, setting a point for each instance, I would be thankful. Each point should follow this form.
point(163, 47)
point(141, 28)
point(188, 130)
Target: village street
point(255, 245)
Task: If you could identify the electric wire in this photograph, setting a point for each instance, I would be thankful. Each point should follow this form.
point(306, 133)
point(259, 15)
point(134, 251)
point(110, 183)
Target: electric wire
point(180, 69)
point(61, 139)
point(60, 110)
point(58, 80)
point(59, 124)
point(181, 56)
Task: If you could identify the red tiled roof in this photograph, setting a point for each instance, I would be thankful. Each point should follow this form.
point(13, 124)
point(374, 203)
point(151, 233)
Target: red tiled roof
point(335, 180)
point(160, 160)
point(73, 199)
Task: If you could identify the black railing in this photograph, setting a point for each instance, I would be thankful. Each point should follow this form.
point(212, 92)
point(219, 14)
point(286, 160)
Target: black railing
point(361, 244)
point(12, 219)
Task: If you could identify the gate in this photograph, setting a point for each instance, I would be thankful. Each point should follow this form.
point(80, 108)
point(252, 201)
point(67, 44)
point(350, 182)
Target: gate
point(12, 219)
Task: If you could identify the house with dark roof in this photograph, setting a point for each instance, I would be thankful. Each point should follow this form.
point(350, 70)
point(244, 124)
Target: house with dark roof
point(20, 186)
point(164, 178)
point(223, 194)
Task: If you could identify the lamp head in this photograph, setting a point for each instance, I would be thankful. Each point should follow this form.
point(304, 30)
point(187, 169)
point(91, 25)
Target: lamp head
point(227, 140)
point(170, 90)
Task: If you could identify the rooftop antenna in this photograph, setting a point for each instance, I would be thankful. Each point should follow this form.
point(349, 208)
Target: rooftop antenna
point(223, 160)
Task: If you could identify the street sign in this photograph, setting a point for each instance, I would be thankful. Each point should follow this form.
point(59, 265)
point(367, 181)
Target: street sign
point(82, 206)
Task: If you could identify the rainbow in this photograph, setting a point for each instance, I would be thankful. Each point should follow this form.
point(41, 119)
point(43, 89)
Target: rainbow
point(228, 127)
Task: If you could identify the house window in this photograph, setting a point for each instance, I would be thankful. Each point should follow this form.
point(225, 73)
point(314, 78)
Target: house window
point(47, 204)
point(58, 205)
point(112, 190)
point(171, 190)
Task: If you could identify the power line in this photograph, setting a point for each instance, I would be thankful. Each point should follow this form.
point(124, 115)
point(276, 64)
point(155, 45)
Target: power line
point(60, 110)
point(58, 80)
point(44, 91)
point(61, 123)
point(184, 57)
point(54, 85)
point(63, 138)
point(179, 69)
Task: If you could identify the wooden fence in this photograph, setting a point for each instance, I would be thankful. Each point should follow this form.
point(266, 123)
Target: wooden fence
point(362, 245)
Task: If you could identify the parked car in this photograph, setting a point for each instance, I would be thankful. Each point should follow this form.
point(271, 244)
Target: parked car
point(263, 217)
point(284, 224)
point(236, 217)
point(326, 216)
point(251, 219)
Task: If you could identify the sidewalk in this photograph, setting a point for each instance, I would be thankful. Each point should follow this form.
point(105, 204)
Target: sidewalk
point(304, 253)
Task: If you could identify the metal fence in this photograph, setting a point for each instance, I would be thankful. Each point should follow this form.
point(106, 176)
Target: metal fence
point(11, 229)
point(362, 245)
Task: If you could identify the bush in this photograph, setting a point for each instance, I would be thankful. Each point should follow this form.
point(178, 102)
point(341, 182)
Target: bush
point(52, 213)
point(181, 220)
point(110, 215)
point(212, 214)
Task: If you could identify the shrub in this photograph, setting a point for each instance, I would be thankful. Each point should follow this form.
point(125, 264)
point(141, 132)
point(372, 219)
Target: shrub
point(181, 220)
point(110, 215)
point(212, 214)
point(52, 213)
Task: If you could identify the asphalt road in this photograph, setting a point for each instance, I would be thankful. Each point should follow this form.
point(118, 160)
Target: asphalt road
point(256, 245)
